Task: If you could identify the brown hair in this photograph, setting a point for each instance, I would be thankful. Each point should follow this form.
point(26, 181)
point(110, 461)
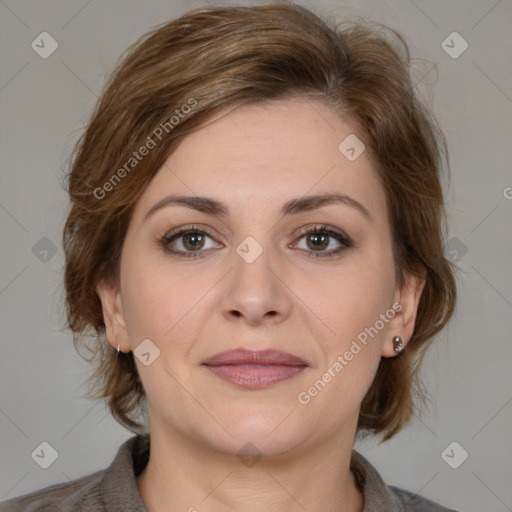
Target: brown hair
point(173, 80)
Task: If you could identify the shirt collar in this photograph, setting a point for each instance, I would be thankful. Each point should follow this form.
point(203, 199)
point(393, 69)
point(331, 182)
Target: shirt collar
point(119, 486)
point(377, 495)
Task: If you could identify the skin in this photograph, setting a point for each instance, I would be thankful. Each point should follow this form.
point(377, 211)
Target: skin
point(254, 159)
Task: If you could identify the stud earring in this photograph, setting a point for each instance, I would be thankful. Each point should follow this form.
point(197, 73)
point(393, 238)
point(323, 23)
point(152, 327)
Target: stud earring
point(398, 344)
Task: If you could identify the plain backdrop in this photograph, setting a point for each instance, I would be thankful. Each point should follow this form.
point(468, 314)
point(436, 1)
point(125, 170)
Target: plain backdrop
point(45, 103)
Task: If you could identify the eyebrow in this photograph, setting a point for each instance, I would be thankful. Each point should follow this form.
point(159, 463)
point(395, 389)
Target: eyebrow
point(293, 207)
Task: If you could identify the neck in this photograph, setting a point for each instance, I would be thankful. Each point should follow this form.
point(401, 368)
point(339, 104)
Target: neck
point(185, 475)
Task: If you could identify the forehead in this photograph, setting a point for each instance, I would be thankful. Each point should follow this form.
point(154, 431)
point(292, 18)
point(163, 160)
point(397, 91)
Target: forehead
point(260, 156)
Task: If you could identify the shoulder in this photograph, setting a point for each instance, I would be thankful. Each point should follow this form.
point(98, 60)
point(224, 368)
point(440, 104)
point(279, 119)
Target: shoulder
point(80, 495)
point(381, 497)
point(414, 502)
point(113, 488)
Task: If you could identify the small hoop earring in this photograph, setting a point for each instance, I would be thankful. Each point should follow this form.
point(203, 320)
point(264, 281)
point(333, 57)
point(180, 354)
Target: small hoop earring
point(398, 344)
point(118, 347)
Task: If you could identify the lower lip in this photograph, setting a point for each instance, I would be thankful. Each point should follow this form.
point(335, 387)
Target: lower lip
point(254, 376)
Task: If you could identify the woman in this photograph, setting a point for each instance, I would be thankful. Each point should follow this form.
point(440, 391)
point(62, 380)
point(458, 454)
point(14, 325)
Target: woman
point(256, 240)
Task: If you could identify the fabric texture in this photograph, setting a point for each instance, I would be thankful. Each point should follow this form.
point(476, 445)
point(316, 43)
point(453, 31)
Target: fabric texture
point(114, 489)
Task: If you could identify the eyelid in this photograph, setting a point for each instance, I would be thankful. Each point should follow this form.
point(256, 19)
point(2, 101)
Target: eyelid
point(189, 227)
point(302, 231)
point(325, 228)
point(344, 240)
point(179, 232)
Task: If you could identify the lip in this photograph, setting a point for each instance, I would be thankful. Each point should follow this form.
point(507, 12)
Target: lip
point(255, 369)
point(262, 357)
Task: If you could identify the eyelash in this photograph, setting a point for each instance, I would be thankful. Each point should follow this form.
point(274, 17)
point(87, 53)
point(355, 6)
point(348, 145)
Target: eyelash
point(340, 237)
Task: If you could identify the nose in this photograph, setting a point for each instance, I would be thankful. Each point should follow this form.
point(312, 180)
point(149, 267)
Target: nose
point(256, 292)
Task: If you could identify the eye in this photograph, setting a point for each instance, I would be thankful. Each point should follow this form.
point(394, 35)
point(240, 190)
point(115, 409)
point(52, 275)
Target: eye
point(189, 242)
point(319, 238)
point(192, 242)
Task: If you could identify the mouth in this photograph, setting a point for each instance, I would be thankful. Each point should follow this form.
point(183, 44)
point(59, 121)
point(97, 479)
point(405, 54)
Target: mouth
point(255, 369)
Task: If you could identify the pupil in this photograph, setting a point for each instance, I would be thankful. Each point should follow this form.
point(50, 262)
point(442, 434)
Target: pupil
point(319, 240)
point(192, 240)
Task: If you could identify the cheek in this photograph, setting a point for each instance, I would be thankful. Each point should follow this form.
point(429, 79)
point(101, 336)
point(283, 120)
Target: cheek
point(351, 305)
point(357, 296)
point(150, 298)
point(159, 302)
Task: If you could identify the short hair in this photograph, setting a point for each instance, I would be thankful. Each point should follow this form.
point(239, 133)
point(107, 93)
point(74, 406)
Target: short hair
point(182, 73)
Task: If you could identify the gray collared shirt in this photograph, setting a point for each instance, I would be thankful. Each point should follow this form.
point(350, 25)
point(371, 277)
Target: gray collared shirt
point(115, 489)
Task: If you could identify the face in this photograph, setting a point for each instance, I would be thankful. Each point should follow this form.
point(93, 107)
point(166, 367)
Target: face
point(256, 265)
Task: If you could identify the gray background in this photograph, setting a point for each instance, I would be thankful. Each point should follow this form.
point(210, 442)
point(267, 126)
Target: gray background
point(44, 104)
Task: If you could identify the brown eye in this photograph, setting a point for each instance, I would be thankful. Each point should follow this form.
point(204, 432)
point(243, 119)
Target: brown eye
point(193, 241)
point(321, 238)
point(317, 241)
point(188, 241)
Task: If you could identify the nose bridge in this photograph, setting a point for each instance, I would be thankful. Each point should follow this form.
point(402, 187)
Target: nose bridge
point(255, 291)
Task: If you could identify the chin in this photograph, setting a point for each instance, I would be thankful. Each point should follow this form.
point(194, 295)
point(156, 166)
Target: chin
point(267, 432)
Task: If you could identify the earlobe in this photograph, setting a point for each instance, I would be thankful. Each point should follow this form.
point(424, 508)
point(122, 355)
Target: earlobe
point(115, 327)
point(401, 327)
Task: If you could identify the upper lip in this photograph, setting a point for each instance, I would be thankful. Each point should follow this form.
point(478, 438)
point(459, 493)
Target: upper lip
point(262, 357)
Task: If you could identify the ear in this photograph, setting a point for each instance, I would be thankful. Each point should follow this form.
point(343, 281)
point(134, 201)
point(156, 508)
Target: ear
point(402, 324)
point(113, 316)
